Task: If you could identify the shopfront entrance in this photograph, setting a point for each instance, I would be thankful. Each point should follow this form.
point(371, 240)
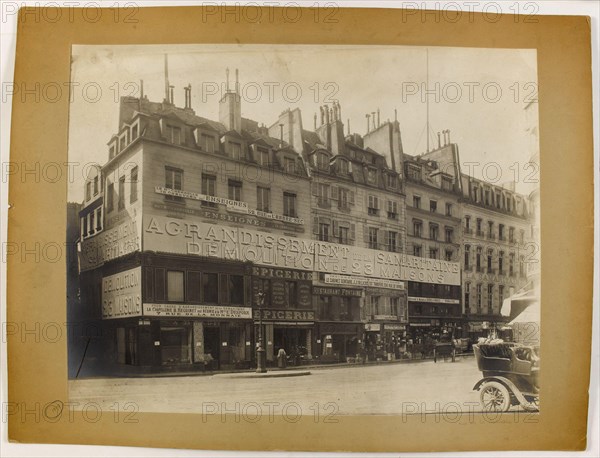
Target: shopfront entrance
point(294, 340)
point(175, 343)
point(212, 345)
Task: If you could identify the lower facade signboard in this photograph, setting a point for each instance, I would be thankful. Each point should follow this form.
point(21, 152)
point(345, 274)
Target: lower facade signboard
point(197, 311)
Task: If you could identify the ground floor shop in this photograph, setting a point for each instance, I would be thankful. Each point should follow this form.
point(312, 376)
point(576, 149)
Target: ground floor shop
point(385, 341)
point(291, 340)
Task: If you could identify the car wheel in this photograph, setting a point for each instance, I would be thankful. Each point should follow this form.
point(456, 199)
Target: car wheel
point(495, 397)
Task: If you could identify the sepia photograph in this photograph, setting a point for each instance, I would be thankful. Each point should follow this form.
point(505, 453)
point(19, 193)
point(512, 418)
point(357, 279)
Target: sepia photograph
point(304, 230)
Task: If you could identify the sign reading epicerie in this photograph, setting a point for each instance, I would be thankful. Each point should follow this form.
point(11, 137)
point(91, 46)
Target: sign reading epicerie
point(122, 294)
point(240, 244)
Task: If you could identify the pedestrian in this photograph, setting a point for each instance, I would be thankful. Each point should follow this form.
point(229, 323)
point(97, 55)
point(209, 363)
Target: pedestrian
point(281, 358)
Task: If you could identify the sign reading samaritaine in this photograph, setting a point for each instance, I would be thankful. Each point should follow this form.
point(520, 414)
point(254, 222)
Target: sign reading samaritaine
point(239, 244)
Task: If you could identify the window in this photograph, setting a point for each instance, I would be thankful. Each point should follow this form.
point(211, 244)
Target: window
point(343, 237)
point(236, 289)
point(374, 305)
point(449, 255)
point(417, 251)
point(344, 201)
point(487, 196)
point(289, 204)
point(174, 286)
point(88, 190)
point(433, 231)
point(263, 199)
point(417, 228)
point(207, 143)
point(449, 234)
point(392, 209)
point(121, 193)
point(373, 207)
point(324, 232)
point(391, 181)
point(414, 172)
point(501, 294)
point(122, 142)
point(478, 259)
point(521, 266)
point(210, 287)
point(491, 230)
point(209, 183)
point(323, 161)
point(511, 264)
point(416, 202)
point(433, 206)
point(110, 196)
point(479, 296)
point(84, 226)
point(289, 165)
point(111, 152)
point(448, 209)
point(173, 180)
point(345, 312)
point(467, 256)
point(99, 219)
point(373, 238)
point(468, 224)
point(501, 232)
point(433, 253)
point(467, 295)
point(96, 185)
point(479, 227)
point(343, 166)
point(234, 190)
point(134, 132)
point(323, 195)
point(501, 263)
point(489, 261)
point(392, 241)
point(263, 157)
point(133, 185)
point(235, 149)
point(511, 235)
point(173, 134)
point(490, 294)
point(91, 216)
point(394, 301)
point(447, 183)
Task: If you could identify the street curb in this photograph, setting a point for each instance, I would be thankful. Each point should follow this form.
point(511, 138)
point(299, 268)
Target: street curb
point(264, 375)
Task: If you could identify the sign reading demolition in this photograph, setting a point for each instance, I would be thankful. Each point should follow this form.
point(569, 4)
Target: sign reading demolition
point(122, 294)
point(240, 244)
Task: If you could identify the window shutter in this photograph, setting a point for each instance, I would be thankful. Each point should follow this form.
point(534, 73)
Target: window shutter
point(352, 232)
point(336, 229)
point(351, 197)
point(335, 193)
point(316, 225)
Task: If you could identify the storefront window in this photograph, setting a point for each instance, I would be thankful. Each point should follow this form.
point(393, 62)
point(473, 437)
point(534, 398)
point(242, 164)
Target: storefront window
point(210, 287)
point(291, 292)
point(174, 286)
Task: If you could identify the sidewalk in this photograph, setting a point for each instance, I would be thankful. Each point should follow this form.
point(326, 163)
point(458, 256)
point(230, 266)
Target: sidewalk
point(130, 372)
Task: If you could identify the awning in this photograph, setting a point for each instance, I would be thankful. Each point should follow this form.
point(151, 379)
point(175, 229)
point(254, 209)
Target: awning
point(531, 314)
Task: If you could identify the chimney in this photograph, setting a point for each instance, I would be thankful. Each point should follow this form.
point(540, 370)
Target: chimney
point(227, 79)
point(141, 89)
point(171, 90)
point(315, 121)
point(230, 107)
point(281, 135)
point(167, 86)
point(348, 121)
point(373, 119)
point(339, 110)
point(395, 115)
point(378, 121)
point(439, 140)
point(368, 116)
point(448, 136)
point(326, 114)
point(237, 81)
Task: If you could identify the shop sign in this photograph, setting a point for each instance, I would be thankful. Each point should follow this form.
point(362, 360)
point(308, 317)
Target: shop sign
point(385, 317)
point(232, 205)
point(394, 327)
point(372, 327)
point(197, 311)
point(285, 315)
point(433, 300)
point(122, 294)
point(109, 244)
point(329, 291)
point(240, 244)
point(363, 281)
point(420, 325)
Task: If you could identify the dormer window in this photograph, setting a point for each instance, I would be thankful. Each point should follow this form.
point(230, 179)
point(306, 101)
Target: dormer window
point(323, 161)
point(447, 183)
point(414, 172)
point(96, 185)
point(122, 142)
point(372, 176)
point(88, 190)
point(391, 181)
point(112, 151)
point(235, 149)
point(263, 157)
point(173, 134)
point(207, 143)
point(289, 165)
point(134, 132)
point(343, 166)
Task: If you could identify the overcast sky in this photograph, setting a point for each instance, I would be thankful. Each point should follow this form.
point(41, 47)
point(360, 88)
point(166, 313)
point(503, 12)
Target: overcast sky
point(479, 94)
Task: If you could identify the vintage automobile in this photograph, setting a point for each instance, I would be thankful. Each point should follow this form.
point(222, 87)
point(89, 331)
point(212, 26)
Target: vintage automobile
point(510, 375)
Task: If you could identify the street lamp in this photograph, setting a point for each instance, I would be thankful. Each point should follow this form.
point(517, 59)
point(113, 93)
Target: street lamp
point(261, 366)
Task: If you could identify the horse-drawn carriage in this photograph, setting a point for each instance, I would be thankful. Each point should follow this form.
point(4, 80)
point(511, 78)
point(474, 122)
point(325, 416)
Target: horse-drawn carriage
point(510, 375)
